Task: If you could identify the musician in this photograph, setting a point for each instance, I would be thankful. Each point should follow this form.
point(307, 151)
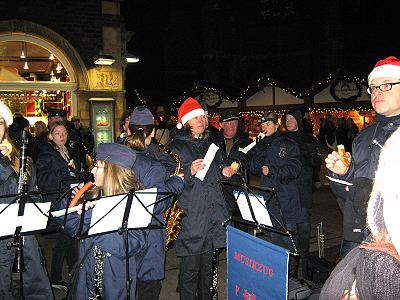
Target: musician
point(81, 140)
point(113, 174)
point(35, 280)
point(55, 169)
point(152, 174)
point(203, 202)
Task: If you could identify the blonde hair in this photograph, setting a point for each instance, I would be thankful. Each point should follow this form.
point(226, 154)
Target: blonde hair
point(119, 180)
point(15, 155)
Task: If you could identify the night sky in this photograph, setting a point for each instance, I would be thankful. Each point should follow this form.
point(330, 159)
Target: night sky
point(360, 32)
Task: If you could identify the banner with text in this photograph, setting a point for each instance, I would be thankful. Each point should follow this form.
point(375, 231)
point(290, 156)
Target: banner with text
point(257, 269)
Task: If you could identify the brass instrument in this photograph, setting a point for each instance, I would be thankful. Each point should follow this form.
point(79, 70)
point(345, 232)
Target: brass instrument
point(89, 157)
point(174, 214)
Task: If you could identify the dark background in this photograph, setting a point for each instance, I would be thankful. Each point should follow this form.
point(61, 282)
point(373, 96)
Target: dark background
point(228, 45)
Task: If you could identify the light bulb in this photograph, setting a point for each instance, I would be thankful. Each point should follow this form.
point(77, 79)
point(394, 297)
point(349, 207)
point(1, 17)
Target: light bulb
point(26, 67)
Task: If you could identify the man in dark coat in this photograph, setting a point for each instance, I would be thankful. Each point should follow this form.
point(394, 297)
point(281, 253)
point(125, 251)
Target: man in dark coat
point(230, 139)
point(366, 148)
point(82, 140)
point(309, 158)
point(276, 158)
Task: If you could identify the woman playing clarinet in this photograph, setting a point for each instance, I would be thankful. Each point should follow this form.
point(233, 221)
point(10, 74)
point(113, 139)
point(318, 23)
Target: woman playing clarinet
point(36, 283)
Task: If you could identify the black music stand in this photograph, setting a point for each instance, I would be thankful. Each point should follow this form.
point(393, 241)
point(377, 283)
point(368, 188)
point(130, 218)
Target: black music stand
point(22, 216)
point(119, 213)
point(252, 220)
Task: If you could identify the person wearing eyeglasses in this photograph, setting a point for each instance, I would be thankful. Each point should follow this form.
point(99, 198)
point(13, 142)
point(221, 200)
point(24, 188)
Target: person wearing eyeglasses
point(384, 89)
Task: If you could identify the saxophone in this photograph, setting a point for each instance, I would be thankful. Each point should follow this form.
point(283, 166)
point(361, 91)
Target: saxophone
point(174, 214)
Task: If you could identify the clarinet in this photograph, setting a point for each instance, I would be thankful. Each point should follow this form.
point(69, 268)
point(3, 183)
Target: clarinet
point(19, 265)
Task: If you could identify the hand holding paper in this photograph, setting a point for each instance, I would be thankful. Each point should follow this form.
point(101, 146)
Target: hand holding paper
point(251, 145)
point(207, 161)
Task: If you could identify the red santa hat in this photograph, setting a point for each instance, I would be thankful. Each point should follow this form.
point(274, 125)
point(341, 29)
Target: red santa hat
point(190, 108)
point(6, 113)
point(388, 67)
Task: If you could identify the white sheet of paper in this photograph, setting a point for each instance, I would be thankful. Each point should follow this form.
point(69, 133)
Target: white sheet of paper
point(258, 205)
point(33, 219)
point(8, 219)
point(212, 150)
point(339, 181)
point(138, 217)
point(251, 145)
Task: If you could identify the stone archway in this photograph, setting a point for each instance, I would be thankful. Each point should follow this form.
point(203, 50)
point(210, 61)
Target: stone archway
point(21, 30)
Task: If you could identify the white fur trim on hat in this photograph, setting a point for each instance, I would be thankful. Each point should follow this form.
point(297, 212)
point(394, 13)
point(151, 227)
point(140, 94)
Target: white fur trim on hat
point(384, 71)
point(6, 113)
point(384, 203)
point(192, 114)
point(392, 221)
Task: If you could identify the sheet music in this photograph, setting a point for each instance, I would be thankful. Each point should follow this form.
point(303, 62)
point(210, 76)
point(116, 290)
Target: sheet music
point(32, 219)
point(208, 159)
point(258, 204)
point(112, 221)
point(8, 219)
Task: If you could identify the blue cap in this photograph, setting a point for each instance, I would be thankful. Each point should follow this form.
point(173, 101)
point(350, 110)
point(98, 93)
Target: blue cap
point(117, 154)
point(141, 116)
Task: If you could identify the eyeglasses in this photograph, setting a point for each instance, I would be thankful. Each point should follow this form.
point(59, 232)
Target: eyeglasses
point(384, 87)
point(96, 166)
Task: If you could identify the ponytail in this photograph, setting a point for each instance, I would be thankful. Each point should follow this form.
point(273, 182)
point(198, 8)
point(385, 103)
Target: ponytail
point(138, 134)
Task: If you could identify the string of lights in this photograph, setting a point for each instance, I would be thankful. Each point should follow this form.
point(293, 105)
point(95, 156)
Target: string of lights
point(265, 81)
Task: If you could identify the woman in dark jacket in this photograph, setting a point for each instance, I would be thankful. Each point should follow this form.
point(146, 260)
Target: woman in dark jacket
point(202, 201)
point(36, 284)
point(151, 261)
point(55, 172)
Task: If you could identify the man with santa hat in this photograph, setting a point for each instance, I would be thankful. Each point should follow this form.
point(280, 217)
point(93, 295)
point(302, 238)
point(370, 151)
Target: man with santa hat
point(384, 88)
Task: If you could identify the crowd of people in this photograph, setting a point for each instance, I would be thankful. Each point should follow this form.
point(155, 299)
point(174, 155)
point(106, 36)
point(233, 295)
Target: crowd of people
point(284, 157)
